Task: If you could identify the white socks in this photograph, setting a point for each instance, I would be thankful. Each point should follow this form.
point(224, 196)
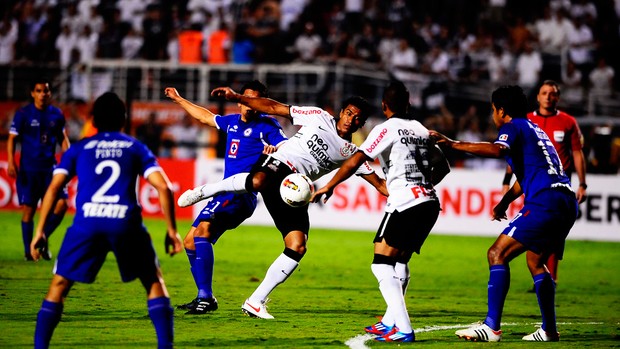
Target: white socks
point(277, 273)
point(392, 291)
point(233, 184)
point(402, 272)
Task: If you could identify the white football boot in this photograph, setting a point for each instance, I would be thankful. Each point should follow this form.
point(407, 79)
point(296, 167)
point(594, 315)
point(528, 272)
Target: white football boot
point(541, 336)
point(480, 333)
point(256, 310)
point(191, 196)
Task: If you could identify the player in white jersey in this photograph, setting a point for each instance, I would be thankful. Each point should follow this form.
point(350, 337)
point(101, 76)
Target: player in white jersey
point(321, 145)
point(412, 165)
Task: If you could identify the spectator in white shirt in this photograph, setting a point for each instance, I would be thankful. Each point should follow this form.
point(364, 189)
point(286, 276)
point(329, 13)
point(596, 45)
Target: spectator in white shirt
point(581, 41)
point(572, 84)
point(308, 44)
point(601, 79)
point(8, 37)
point(86, 43)
point(528, 67)
point(404, 61)
point(131, 44)
point(500, 65)
point(65, 43)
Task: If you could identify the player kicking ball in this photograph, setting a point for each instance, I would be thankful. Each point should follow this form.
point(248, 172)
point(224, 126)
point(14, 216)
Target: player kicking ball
point(539, 229)
point(248, 135)
point(321, 145)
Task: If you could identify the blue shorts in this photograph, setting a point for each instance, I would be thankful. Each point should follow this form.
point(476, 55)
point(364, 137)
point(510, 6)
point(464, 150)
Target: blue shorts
point(84, 250)
point(542, 226)
point(31, 186)
point(226, 211)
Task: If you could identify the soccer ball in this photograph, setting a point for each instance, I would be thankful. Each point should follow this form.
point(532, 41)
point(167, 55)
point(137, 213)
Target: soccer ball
point(296, 190)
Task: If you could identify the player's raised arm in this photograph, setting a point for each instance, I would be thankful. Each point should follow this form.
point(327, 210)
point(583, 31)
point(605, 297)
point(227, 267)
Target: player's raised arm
point(161, 183)
point(199, 113)
point(260, 104)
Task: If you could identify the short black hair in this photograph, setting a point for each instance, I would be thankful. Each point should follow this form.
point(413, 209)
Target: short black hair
point(257, 86)
point(512, 99)
point(109, 113)
point(362, 104)
point(396, 97)
point(39, 80)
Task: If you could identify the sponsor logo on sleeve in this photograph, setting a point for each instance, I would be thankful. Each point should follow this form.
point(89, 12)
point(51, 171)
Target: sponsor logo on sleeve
point(306, 111)
point(376, 141)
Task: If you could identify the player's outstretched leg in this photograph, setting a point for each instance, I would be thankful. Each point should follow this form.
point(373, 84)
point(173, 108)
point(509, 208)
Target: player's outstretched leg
point(232, 184)
point(277, 273)
point(256, 309)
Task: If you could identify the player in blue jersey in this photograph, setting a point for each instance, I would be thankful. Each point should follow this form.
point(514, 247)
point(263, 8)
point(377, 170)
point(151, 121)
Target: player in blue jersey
point(108, 218)
point(39, 128)
point(540, 228)
point(320, 146)
point(249, 134)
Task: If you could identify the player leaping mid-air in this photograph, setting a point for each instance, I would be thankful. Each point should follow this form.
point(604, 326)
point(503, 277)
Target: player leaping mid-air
point(540, 228)
point(321, 145)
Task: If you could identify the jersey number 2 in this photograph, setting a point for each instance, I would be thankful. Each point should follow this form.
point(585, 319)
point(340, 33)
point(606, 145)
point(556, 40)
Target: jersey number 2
point(100, 194)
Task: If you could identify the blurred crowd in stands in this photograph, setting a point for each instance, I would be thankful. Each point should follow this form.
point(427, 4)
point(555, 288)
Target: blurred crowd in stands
point(574, 42)
point(499, 40)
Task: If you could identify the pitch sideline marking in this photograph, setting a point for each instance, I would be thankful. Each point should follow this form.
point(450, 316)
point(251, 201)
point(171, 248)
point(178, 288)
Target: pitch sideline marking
point(359, 341)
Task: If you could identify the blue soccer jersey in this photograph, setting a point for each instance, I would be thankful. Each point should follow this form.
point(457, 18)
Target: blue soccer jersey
point(40, 131)
point(532, 158)
point(107, 165)
point(245, 141)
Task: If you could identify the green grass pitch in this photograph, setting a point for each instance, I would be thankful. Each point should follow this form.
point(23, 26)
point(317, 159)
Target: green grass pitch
point(327, 301)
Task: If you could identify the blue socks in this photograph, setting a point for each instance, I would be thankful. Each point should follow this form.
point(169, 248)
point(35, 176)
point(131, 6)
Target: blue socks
point(545, 291)
point(191, 256)
point(159, 309)
point(53, 221)
point(160, 312)
point(27, 230)
point(499, 282)
point(203, 267)
point(47, 320)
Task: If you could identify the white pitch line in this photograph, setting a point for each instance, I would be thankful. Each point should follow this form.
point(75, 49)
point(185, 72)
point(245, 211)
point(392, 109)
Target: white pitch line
point(359, 341)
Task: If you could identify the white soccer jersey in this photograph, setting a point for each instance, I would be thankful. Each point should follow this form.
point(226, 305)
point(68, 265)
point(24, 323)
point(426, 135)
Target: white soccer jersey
point(316, 149)
point(395, 142)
